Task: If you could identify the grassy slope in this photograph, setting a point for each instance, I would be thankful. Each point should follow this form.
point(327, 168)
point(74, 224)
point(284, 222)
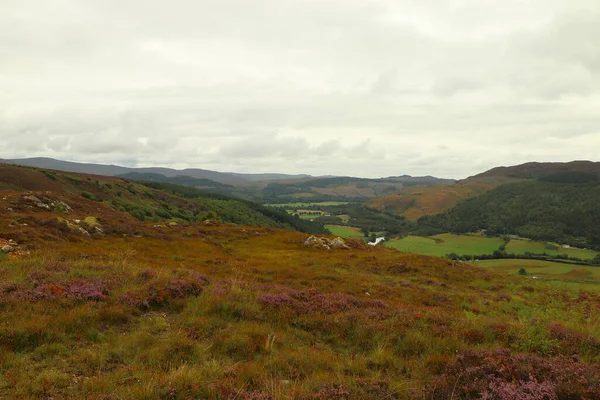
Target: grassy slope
point(445, 244)
point(239, 331)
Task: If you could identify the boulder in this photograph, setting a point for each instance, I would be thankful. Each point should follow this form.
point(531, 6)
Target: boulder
point(338, 243)
point(325, 243)
point(7, 249)
point(313, 241)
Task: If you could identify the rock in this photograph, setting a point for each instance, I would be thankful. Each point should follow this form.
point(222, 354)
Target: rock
point(43, 205)
point(338, 243)
point(12, 243)
point(7, 249)
point(313, 241)
point(321, 243)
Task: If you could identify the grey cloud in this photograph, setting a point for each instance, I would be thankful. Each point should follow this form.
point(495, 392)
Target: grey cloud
point(369, 88)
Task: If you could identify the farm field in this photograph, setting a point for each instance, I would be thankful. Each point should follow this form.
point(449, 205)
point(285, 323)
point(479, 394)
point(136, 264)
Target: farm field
point(301, 204)
point(545, 269)
point(344, 231)
point(521, 246)
point(446, 243)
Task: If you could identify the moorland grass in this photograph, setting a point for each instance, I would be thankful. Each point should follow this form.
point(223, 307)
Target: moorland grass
point(188, 315)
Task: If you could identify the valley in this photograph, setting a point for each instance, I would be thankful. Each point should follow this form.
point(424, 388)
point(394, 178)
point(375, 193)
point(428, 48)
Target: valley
point(154, 289)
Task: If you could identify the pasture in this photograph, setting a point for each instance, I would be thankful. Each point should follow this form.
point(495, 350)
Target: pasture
point(446, 243)
point(307, 204)
point(344, 231)
point(545, 270)
point(522, 246)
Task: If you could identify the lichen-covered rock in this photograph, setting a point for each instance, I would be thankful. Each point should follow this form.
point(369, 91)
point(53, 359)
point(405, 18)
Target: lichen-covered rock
point(338, 243)
point(325, 243)
point(7, 249)
point(313, 241)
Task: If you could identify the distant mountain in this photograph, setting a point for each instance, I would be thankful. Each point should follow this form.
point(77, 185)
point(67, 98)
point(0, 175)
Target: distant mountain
point(262, 188)
point(179, 180)
point(229, 178)
point(419, 180)
point(534, 170)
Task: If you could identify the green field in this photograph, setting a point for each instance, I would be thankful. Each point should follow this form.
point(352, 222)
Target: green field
point(344, 231)
point(446, 243)
point(521, 246)
point(545, 269)
point(302, 205)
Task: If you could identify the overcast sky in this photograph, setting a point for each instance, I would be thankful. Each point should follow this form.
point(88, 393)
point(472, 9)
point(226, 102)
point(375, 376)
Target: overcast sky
point(347, 87)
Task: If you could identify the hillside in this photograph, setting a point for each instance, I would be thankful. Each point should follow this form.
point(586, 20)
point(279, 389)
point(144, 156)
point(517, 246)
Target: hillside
point(416, 202)
point(105, 197)
point(560, 207)
point(535, 170)
point(146, 310)
point(339, 188)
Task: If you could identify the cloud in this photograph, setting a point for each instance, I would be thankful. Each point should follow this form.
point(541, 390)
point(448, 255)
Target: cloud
point(386, 87)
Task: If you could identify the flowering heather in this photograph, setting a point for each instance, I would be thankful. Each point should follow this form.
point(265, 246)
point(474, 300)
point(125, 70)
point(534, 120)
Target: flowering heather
point(160, 292)
point(308, 301)
point(87, 290)
point(247, 395)
point(146, 275)
point(331, 392)
point(499, 375)
point(572, 341)
point(92, 289)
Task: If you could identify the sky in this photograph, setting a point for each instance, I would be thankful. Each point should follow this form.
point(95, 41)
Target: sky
point(366, 88)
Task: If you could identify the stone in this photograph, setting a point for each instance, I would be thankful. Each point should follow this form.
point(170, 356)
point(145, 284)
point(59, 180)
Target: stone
point(7, 249)
point(338, 243)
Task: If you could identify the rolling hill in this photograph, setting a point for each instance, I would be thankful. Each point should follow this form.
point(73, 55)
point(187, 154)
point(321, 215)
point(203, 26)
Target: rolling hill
point(262, 188)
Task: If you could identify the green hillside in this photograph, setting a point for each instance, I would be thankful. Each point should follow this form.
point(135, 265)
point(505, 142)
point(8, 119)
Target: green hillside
point(557, 207)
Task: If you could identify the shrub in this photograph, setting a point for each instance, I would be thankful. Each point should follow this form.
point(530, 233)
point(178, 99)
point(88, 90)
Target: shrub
point(89, 195)
point(572, 341)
